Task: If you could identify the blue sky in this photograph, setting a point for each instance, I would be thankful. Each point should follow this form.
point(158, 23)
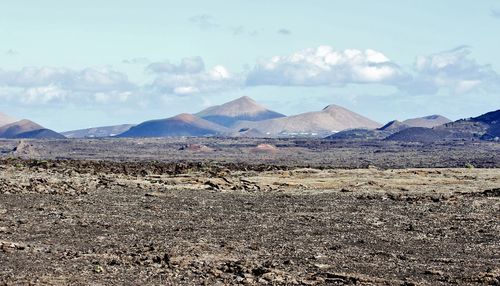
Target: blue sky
point(77, 64)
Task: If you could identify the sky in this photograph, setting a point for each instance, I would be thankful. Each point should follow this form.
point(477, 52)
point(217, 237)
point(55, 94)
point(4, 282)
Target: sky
point(78, 64)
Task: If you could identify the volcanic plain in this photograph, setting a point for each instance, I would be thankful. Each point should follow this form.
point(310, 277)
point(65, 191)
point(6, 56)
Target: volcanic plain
point(218, 211)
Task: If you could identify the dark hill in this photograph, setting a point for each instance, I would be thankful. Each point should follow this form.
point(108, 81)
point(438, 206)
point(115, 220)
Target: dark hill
point(484, 127)
point(180, 125)
point(40, 134)
point(420, 134)
point(359, 134)
point(394, 126)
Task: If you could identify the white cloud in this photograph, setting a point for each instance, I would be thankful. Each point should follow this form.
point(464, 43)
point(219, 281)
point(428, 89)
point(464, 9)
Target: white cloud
point(43, 94)
point(115, 96)
point(219, 73)
point(34, 76)
point(324, 66)
point(88, 79)
point(183, 90)
point(190, 76)
point(101, 79)
point(50, 85)
point(453, 70)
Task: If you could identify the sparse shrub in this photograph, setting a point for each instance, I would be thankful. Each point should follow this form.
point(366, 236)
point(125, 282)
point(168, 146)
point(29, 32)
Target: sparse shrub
point(469, 166)
point(98, 268)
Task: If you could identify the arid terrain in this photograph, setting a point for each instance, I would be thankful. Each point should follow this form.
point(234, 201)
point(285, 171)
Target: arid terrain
point(215, 211)
point(318, 153)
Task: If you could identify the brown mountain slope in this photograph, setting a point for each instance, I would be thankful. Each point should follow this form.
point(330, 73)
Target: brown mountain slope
point(427, 121)
point(331, 119)
point(18, 127)
point(241, 109)
point(180, 125)
point(27, 129)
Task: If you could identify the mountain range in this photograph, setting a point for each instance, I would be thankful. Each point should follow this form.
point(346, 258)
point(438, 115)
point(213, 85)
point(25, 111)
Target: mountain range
point(430, 129)
point(244, 117)
point(483, 127)
point(391, 127)
point(226, 120)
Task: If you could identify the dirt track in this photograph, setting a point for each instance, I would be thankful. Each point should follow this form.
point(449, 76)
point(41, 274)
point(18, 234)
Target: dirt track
point(106, 223)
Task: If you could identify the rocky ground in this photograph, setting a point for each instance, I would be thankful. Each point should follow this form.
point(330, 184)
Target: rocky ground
point(318, 153)
point(207, 222)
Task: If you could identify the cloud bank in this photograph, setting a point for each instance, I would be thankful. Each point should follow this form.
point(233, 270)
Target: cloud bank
point(453, 71)
point(88, 79)
point(325, 66)
point(190, 77)
point(43, 85)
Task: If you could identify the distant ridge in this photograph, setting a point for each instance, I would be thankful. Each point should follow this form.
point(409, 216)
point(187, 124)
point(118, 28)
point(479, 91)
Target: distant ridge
point(390, 128)
point(98, 132)
point(483, 127)
point(241, 109)
point(40, 134)
point(331, 119)
point(180, 125)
